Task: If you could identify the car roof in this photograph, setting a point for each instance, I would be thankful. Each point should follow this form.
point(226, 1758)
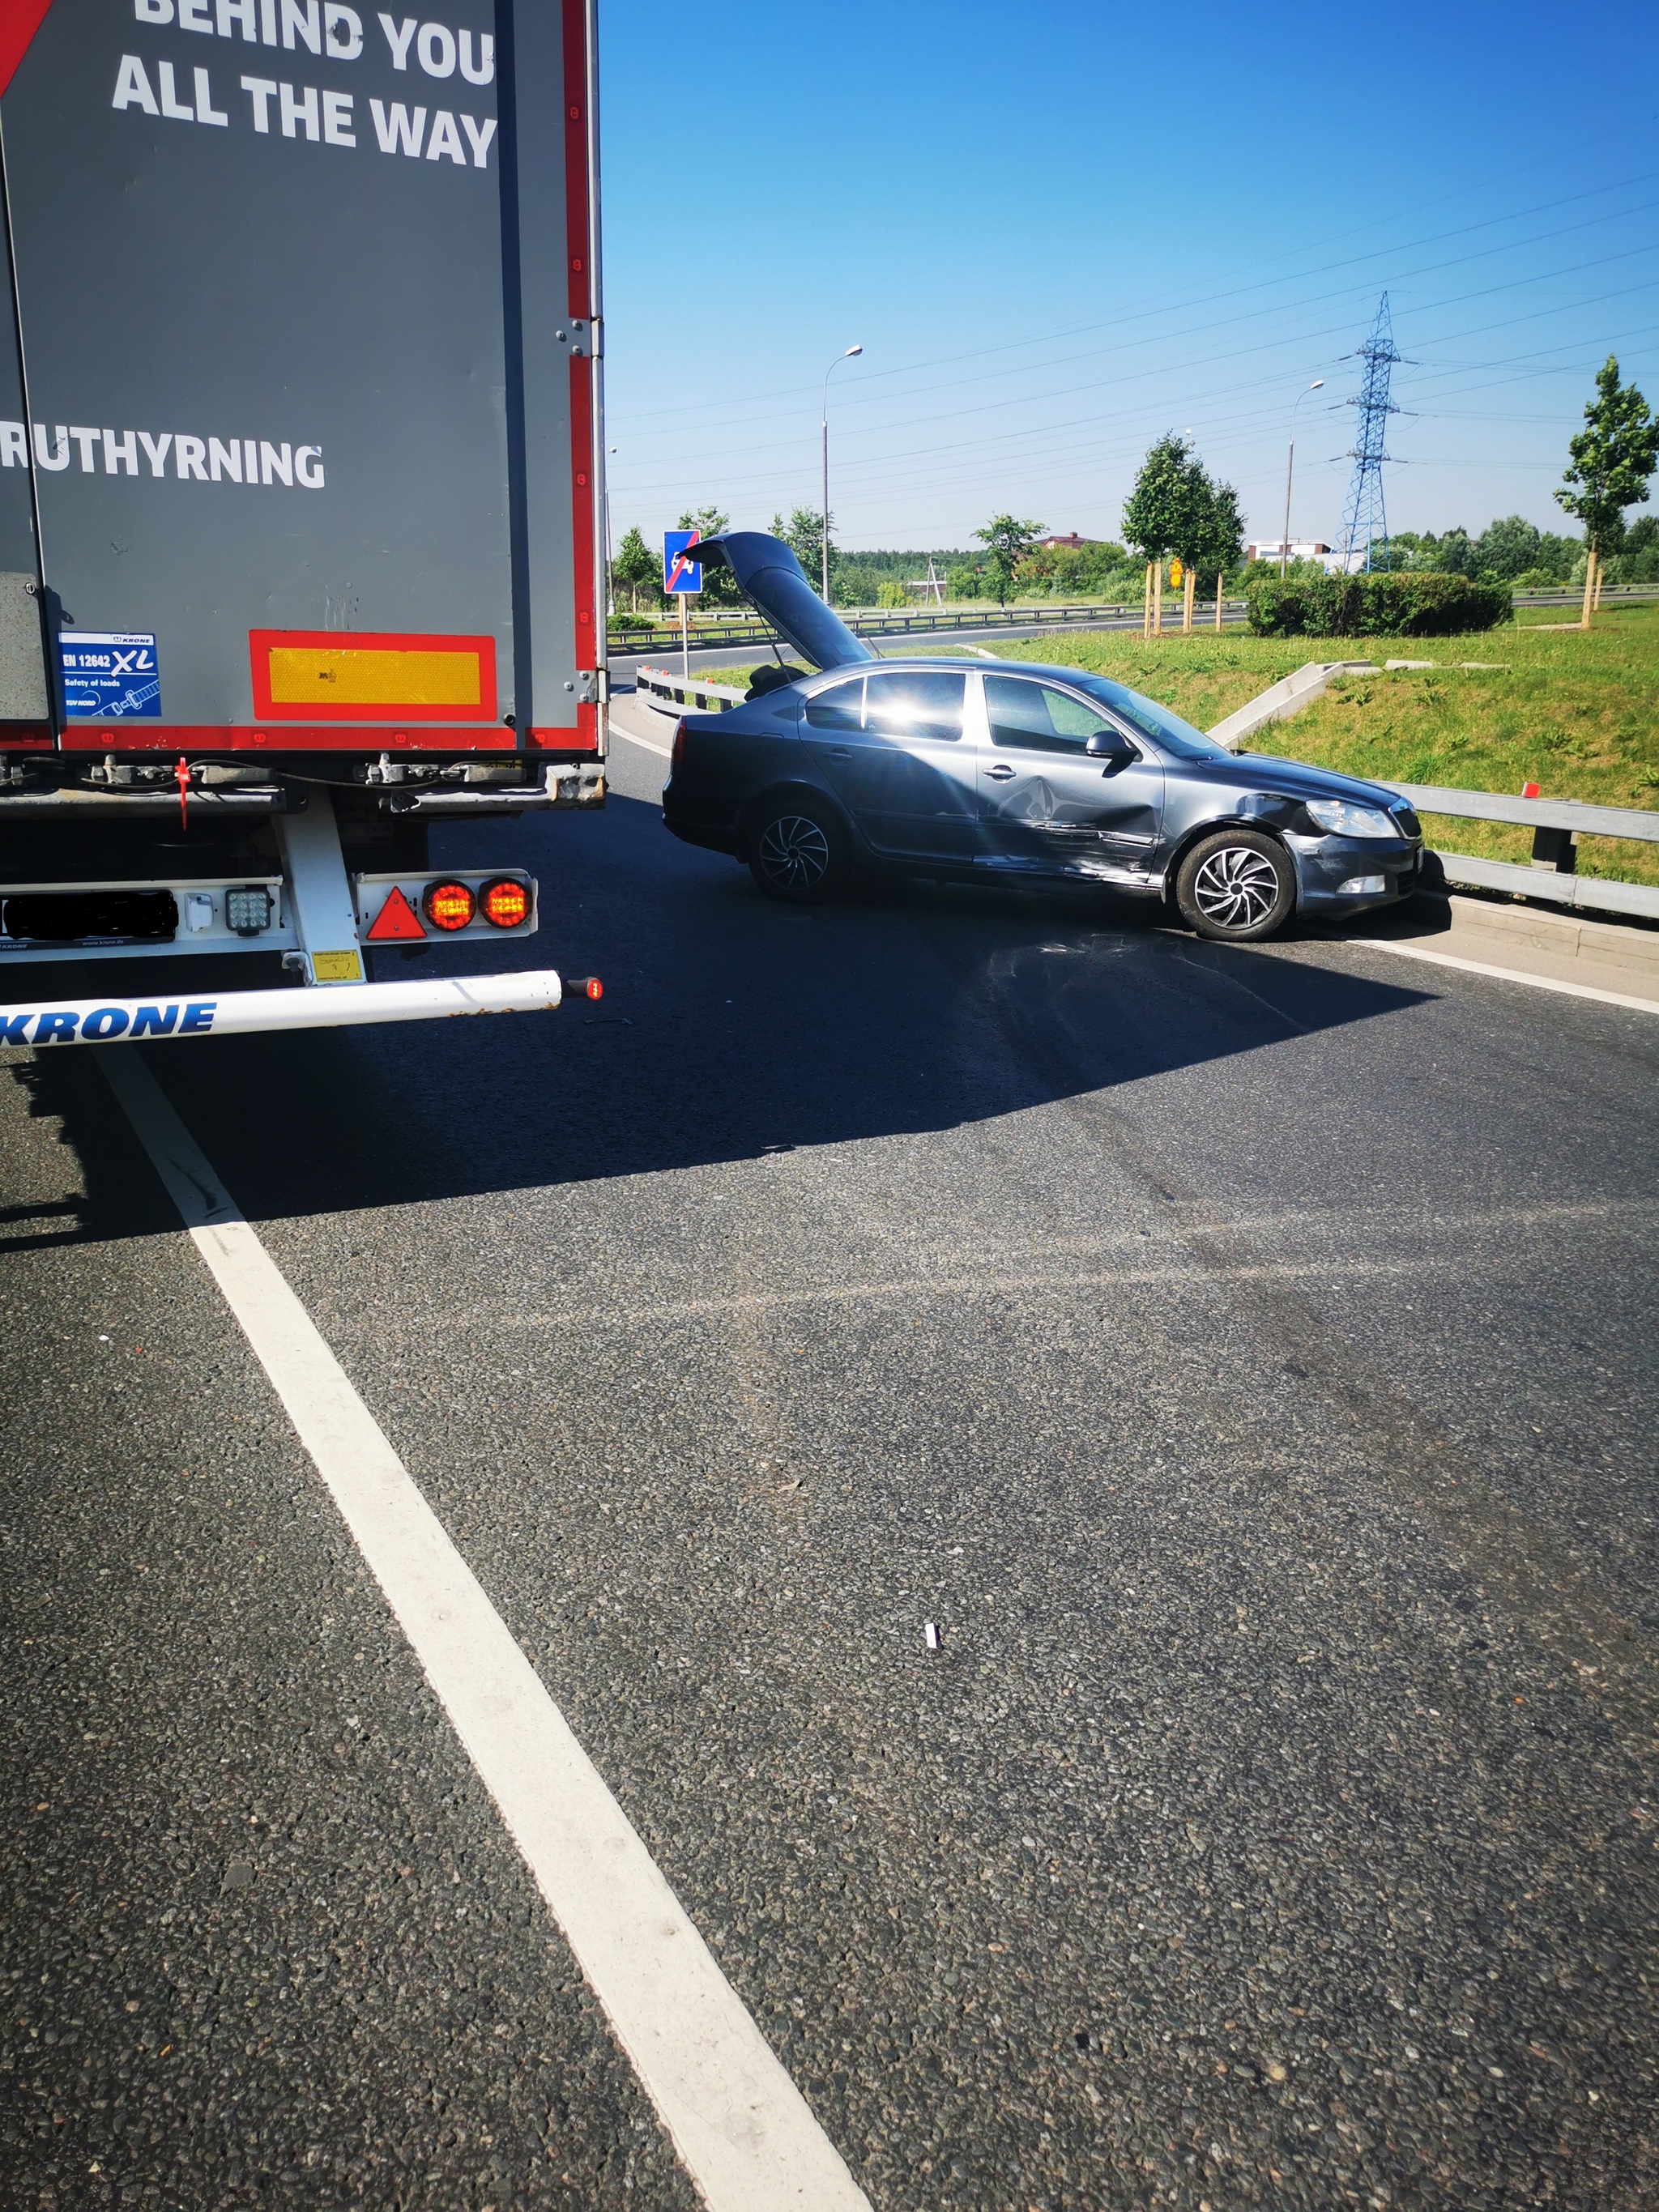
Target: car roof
point(918, 662)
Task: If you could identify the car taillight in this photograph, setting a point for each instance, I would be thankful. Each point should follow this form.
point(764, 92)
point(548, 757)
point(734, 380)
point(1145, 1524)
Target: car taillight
point(677, 750)
point(506, 902)
point(447, 905)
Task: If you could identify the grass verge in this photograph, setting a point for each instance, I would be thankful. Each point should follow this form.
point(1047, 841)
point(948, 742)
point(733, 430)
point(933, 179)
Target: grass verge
point(1577, 713)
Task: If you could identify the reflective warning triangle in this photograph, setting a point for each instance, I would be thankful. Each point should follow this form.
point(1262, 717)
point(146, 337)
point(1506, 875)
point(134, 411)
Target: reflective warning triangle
point(396, 919)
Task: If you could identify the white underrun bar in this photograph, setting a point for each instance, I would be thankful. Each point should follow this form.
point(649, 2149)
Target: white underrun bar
point(112, 1020)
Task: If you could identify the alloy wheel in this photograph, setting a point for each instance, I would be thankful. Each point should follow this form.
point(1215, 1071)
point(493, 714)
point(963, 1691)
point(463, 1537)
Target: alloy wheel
point(1236, 888)
point(794, 853)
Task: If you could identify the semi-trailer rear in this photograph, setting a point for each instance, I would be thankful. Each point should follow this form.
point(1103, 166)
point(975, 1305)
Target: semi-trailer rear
point(301, 491)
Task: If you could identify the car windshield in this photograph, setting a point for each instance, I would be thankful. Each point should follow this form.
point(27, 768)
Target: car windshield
point(1152, 721)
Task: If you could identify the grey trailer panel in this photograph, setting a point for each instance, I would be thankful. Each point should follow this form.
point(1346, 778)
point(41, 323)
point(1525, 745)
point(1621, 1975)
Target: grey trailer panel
point(280, 378)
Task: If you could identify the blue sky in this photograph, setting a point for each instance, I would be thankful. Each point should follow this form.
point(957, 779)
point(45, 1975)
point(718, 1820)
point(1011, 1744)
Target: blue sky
point(1059, 231)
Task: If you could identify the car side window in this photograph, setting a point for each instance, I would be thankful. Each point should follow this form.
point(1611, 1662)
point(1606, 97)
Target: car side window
point(840, 708)
point(1028, 717)
point(926, 703)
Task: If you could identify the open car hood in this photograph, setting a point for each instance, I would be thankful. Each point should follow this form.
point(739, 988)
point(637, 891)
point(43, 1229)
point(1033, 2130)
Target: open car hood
point(774, 584)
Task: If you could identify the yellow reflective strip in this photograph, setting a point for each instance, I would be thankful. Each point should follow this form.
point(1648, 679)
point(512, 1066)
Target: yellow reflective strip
point(369, 676)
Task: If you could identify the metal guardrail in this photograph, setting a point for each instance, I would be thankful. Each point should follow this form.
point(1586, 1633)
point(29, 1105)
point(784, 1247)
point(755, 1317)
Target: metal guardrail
point(1575, 815)
point(1572, 595)
point(1555, 824)
point(687, 692)
point(740, 627)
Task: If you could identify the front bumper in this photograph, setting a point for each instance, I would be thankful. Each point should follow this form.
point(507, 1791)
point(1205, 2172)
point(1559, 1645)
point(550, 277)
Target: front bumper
point(1347, 875)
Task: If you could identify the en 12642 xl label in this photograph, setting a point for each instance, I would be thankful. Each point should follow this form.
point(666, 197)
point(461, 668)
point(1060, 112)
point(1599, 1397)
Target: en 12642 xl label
point(109, 675)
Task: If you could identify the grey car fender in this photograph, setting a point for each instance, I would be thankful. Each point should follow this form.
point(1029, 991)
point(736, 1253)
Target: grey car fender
point(795, 788)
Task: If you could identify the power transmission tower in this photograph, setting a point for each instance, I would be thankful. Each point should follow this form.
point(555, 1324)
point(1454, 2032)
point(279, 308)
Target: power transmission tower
point(1365, 520)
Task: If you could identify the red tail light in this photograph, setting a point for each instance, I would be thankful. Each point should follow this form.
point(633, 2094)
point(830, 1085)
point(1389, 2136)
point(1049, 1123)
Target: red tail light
point(506, 902)
point(677, 752)
point(447, 905)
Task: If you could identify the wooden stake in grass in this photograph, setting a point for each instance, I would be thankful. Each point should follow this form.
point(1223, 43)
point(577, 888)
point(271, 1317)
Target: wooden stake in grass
point(1146, 602)
point(1590, 588)
point(1217, 597)
point(1187, 609)
point(1157, 599)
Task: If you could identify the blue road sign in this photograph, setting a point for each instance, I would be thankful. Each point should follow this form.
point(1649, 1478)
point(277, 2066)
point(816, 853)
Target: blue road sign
point(679, 574)
point(109, 674)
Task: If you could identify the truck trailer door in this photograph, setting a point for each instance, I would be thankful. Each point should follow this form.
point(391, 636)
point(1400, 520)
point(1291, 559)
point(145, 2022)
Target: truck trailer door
point(299, 395)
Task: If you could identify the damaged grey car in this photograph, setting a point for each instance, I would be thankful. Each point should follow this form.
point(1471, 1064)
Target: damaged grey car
point(1009, 770)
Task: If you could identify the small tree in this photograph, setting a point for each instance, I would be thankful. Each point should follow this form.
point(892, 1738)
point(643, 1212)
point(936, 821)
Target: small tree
point(635, 565)
point(1175, 507)
point(1006, 541)
point(804, 535)
point(1163, 514)
point(1220, 538)
point(1157, 511)
point(1613, 458)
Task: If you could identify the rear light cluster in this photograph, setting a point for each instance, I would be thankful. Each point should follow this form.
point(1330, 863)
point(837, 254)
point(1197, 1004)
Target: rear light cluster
point(450, 905)
point(677, 750)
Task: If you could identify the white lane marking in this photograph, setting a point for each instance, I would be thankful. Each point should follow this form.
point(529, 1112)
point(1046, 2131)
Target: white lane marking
point(744, 2131)
point(644, 743)
point(1504, 975)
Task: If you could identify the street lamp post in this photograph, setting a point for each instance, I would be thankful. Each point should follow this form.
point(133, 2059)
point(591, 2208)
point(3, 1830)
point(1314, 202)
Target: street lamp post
point(825, 548)
point(1318, 384)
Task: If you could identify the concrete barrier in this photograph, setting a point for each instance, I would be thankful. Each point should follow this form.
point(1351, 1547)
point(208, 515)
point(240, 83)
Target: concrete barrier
point(1286, 697)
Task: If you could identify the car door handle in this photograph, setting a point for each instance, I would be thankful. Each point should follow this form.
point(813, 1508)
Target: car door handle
point(1000, 772)
point(841, 752)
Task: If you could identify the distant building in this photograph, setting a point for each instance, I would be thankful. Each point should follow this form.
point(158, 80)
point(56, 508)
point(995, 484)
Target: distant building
point(1070, 543)
point(1301, 549)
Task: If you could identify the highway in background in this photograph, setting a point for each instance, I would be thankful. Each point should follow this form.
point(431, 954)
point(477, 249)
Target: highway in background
point(971, 634)
point(1244, 1358)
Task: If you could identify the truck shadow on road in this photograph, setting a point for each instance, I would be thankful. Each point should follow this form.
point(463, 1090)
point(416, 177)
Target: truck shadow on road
point(730, 1028)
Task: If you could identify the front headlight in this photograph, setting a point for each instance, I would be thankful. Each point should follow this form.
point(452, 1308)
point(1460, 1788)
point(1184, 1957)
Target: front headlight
point(1344, 820)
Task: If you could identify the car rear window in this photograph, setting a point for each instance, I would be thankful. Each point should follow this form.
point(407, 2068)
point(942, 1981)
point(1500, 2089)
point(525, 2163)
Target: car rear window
point(840, 708)
point(924, 704)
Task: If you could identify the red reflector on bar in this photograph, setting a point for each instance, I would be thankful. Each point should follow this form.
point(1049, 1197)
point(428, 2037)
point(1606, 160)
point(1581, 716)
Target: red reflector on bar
point(396, 920)
point(589, 986)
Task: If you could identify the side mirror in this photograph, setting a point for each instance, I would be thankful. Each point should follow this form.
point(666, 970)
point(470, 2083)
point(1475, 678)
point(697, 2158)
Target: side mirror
point(1107, 744)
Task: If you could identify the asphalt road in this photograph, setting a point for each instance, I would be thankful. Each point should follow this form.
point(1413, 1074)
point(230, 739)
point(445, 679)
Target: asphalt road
point(1246, 1360)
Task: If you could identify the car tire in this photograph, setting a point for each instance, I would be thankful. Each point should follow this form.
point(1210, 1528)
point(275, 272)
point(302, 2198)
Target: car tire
point(1236, 886)
point(798, 851)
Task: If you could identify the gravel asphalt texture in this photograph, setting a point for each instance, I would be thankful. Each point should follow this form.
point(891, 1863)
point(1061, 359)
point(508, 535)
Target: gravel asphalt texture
point(1246, 1360)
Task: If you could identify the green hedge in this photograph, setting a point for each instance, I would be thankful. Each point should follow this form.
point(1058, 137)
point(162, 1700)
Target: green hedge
point(1379, 605)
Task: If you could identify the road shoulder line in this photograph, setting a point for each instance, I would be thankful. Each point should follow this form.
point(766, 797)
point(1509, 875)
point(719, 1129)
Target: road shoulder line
point(746, 2135)
point(1504, 975)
